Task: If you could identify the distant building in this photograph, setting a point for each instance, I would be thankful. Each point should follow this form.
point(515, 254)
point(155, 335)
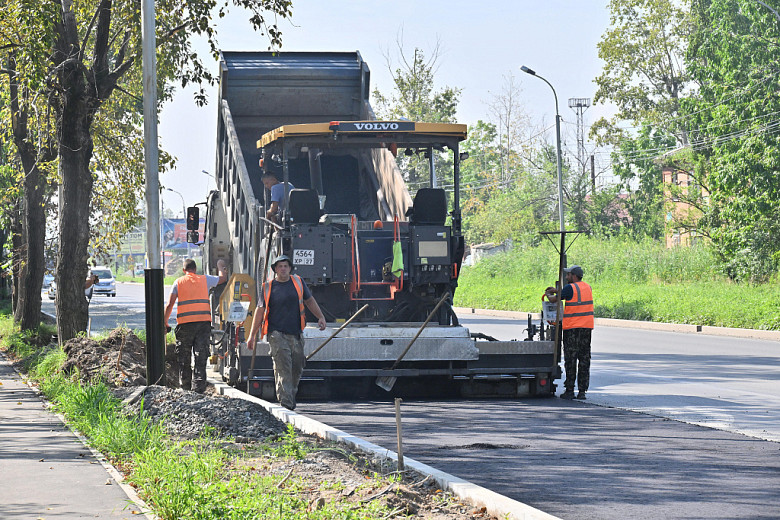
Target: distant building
point(480, 251)
point(682, 217)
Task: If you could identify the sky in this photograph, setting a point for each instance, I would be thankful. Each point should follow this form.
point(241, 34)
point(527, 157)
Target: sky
point(480, 44)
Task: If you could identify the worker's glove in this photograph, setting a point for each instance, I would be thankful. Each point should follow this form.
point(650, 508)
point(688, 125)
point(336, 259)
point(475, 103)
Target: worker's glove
point(167, 328)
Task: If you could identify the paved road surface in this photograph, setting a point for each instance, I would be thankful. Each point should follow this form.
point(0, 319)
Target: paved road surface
point(727, 383)
point(596, 460)
point(577, 460)
point(126, 309)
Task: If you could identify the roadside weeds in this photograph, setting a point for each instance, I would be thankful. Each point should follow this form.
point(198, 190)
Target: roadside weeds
point(285, 476)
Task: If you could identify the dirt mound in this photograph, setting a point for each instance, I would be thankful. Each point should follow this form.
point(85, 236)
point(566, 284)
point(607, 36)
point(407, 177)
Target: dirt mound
point(118, 360)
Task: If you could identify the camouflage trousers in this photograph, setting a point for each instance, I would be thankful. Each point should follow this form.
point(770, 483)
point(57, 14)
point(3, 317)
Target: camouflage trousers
point(576, 358)
point(192, 338)
point(289, 360)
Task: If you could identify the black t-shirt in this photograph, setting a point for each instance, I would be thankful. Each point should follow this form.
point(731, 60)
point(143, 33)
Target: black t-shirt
point(284, 314)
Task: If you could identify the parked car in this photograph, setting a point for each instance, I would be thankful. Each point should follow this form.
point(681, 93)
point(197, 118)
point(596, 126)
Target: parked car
point(106, 282)
point(47, 280)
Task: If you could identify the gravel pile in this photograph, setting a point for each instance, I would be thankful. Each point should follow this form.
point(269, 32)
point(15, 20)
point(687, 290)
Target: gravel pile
point(119, 359)
point(189, 414)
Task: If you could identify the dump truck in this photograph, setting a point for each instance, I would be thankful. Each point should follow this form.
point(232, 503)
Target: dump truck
point(382, 264)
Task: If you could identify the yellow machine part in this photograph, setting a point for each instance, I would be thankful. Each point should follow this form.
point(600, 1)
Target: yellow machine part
point(241, 288)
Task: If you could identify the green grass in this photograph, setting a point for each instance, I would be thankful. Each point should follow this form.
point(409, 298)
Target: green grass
point(630, 281)
point(196, 479)
point(22, 344)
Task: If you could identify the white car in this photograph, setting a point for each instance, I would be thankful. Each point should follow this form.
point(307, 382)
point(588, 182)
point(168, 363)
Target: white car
point(106, 282)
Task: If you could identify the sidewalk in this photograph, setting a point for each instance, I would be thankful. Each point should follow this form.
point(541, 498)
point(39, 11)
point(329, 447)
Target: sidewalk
point(47, 472)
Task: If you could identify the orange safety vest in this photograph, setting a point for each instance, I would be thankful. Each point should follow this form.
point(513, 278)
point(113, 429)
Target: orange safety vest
point(298, 283)
point(578, 312)
point(193, 296)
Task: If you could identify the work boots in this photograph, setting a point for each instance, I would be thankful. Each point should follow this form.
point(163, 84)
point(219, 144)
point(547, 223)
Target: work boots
point(581, 395)
point(568, 394)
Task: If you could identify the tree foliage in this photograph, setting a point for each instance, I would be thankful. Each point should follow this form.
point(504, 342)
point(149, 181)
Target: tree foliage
point(644, 72)
point(509, 181)
point(700, 75)
point(734, 54)
point(635, 162)
point(79, 63)
point(416, 98)
point(513, 124)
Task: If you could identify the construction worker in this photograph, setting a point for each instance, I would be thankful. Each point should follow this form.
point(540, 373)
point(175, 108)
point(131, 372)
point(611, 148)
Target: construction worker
point(282, 318)
point(193, 322)
point(577, 329)
point(89, 285)
point(272, 184)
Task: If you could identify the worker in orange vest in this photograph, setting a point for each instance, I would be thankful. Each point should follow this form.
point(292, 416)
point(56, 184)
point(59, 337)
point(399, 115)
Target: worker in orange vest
point(193, 322)
point(282, 318)
point(577, 329)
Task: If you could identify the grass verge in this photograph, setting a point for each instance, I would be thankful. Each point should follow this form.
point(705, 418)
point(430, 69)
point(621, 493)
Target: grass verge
point(201, 479)
point(631, 281)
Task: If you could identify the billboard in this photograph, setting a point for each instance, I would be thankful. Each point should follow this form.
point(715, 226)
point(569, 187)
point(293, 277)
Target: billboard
point(134, 243)
point(174, 234)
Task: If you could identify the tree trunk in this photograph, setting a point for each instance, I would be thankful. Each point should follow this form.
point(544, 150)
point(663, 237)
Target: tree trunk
point(33, 228)
point(16, 253)
point(3, 274)
point(29, 237)
point(75, 153)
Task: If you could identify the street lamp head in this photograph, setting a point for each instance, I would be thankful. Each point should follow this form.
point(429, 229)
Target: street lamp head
point(528, 71)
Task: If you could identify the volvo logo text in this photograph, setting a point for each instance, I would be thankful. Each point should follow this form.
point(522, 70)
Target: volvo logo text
point(376, 126)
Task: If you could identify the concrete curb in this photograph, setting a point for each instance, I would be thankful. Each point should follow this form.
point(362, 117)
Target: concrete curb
point(771, 335)
point(494, 503)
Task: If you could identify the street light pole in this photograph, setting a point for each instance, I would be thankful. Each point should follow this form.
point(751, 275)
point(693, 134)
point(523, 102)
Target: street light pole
point(562, 251)
point(153, 275)
point(557, 144)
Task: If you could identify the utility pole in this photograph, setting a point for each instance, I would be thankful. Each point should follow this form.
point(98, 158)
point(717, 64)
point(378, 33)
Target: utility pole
point(153, 275)
point(580, 105)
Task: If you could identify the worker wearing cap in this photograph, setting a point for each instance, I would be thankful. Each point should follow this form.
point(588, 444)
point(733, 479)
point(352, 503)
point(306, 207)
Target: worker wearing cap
point(193, 323)
point(577, 329)
point(282, 320)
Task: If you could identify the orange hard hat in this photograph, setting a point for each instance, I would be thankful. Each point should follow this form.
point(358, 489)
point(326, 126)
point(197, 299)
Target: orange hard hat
point(378, 224)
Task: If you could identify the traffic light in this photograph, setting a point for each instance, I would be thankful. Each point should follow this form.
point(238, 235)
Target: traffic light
point(193, 219)
point(193, 237)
